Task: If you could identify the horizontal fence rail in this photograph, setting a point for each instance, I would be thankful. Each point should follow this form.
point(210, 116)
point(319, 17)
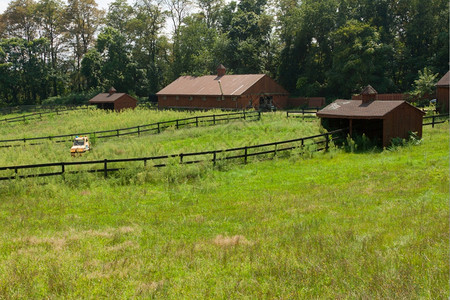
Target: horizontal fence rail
point(197, 121)
point(314, 143)
point(38, 115)
point(308, 112)
point(436, 119)
point(37, 108)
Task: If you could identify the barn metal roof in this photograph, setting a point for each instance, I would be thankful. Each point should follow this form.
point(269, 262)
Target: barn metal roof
point(232, 85)
point(106, 98)
point(356, 109)
point(445, 80)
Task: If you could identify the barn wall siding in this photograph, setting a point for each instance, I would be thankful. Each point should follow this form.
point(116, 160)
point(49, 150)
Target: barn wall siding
point(400, 122)
point(442, 99)
point(125, 102)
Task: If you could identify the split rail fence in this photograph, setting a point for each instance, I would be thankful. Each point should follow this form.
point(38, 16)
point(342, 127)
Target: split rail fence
point(314, 143)
point(37, 108)
point(38, 115)
point(197, 121)
point(436, 119)
point(308, 112)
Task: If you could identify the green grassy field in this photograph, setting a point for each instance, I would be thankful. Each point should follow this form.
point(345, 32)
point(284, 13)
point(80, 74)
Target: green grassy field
point(333, 225)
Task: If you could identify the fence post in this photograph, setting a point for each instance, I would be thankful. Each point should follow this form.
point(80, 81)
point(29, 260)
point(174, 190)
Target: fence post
point(287, 114)
point(302, 146)
point(244, 114)
point(432, 122)
point(159, 130)
point(327, 140)
point(139, 130)
point(245, 155)
point(181, 158)
point(62, 168)
point(259, 115)
point(196, 121)
point(117, 132)
point(214, 158)
point(105, 170)
point(214, 119)
point(176, 126)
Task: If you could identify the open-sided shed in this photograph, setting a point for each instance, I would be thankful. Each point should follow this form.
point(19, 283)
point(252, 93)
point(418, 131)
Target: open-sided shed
point(380, 121)
point(113, 101)
point(442, 93)
point(223, 91)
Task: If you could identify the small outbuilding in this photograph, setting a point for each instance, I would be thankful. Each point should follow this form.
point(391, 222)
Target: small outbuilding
point(223, 91)
point(113, 100)
point(380, 121)
point(442, 93)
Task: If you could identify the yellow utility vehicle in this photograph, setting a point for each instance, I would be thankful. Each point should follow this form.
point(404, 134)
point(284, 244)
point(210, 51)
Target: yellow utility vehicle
point(80, 145)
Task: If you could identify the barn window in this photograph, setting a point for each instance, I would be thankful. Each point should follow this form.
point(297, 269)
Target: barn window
point(204, 98)
point(234, 98)
point(191, 98)
point(218, 98)
point(177, 98)
point(164, 97)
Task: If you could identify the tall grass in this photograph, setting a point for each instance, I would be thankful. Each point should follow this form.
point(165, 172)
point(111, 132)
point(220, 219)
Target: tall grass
point(336, 225)
point(272, 127)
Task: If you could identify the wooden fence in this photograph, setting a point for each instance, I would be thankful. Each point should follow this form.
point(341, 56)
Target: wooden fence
point(38, 115)
point(436, 119)
point(197, 121)
point(312, 143)
point(308, 112)
point(38, 108)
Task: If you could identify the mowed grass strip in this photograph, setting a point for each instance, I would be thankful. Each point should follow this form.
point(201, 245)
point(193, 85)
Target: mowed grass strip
point(335, 225)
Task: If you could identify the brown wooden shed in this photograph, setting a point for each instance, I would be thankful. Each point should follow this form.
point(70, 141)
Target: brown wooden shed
point(223, 91)
point(442, 93)
point(380, 121)
point(113, 100)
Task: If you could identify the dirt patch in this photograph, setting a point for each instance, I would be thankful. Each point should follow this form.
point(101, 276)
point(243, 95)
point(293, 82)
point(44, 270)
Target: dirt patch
point(228, 241)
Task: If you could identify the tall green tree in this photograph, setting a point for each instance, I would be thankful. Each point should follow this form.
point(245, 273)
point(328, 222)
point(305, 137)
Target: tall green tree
point(50, 16)
point(84, 18)
point(150, 47)
point(359, 59)
point(19, 19)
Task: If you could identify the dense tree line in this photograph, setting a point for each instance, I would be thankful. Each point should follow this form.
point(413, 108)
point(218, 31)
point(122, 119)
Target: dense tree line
point(331, 48)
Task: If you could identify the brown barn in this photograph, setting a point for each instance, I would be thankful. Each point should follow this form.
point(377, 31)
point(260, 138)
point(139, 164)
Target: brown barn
point(380, 121)
point(223, 91)
point(442, 93)
point(113, 100)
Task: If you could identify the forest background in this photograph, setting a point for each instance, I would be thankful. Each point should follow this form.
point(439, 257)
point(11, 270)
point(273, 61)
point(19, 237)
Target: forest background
point(64, 52)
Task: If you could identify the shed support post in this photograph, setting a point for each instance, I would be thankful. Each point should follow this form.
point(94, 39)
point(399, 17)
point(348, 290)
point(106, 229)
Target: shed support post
point(351, 128)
